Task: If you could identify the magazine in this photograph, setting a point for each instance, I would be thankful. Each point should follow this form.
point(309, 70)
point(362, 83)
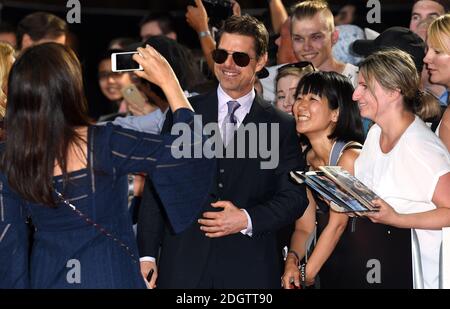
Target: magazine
point(344, 191)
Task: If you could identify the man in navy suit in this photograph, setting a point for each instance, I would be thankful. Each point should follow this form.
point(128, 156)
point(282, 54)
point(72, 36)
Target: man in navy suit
point(233, 244)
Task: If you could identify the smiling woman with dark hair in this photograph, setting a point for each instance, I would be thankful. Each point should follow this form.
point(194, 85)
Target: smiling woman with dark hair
point(328, 117)
point(70, 176)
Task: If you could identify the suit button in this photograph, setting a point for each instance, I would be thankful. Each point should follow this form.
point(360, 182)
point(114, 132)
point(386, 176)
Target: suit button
point(220, 185)
point(222, 171)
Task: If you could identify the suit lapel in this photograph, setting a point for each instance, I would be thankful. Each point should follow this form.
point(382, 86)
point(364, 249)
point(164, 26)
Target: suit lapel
point(257, 112)
point(207, 107)
point(168, 122)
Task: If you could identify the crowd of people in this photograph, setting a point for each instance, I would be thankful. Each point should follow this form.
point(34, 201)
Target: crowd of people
point(72, 187)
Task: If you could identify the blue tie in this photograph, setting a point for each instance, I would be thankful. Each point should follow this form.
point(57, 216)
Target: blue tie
point(230, 121)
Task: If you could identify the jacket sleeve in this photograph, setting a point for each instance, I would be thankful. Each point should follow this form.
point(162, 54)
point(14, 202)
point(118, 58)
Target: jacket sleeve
point(151, 222)
point(181, 179)
point(13, 242)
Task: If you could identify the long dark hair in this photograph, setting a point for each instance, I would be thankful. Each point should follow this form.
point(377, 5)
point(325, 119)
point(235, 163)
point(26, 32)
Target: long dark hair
point(46, 103)
point(338, 90)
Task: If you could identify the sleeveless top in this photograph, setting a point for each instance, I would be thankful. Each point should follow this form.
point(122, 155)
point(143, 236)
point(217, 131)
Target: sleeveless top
point(337, 150)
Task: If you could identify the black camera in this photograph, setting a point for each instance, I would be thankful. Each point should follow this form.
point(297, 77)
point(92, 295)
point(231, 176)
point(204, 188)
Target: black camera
point(218, 11)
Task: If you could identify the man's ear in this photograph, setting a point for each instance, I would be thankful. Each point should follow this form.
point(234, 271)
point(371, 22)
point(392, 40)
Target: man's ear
point(26, 41)
point(261, 62)
point(334, 36)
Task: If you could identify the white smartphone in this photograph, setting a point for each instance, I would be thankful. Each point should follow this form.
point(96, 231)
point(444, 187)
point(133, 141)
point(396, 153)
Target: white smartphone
point(123, 62)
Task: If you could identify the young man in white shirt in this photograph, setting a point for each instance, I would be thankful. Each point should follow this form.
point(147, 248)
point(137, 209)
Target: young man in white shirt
point(313, 37)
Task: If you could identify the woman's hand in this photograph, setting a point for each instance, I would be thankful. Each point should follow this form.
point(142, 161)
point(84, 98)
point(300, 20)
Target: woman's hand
point(156, 68)
point(158, 71)
point(291, 276)
point(385, 215)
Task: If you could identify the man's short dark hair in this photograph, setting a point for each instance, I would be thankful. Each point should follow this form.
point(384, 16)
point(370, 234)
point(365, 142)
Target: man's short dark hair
point(40, 25)
point(164, 20)
point(249, 26)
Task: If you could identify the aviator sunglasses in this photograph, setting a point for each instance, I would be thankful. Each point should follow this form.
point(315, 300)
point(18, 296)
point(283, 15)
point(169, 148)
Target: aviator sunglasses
point(241, 59)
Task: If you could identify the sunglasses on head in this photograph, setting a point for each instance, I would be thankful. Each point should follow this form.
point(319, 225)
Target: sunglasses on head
point(299, 65)
point(241, 59)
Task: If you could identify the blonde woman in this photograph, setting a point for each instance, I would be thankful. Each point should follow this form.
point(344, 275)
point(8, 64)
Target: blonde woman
point(402, 160)
point(437, 61)
point(6, 62)
point(286, 82)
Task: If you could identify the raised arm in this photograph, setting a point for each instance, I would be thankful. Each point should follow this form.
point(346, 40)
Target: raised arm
point(197, 18)
point(158, 71)
point(278, 14)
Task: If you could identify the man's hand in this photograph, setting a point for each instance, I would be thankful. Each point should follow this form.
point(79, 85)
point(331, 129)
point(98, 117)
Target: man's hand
point(146, 266)
point(229, 221)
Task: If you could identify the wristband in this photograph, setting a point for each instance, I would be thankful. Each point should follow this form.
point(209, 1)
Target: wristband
point(202, 34)
point(302, 269)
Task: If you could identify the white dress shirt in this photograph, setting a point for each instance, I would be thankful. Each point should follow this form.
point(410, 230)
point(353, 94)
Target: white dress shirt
point(246, 104)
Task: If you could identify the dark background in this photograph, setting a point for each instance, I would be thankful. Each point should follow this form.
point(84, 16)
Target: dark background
point(103, 20)
point(175, 4)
